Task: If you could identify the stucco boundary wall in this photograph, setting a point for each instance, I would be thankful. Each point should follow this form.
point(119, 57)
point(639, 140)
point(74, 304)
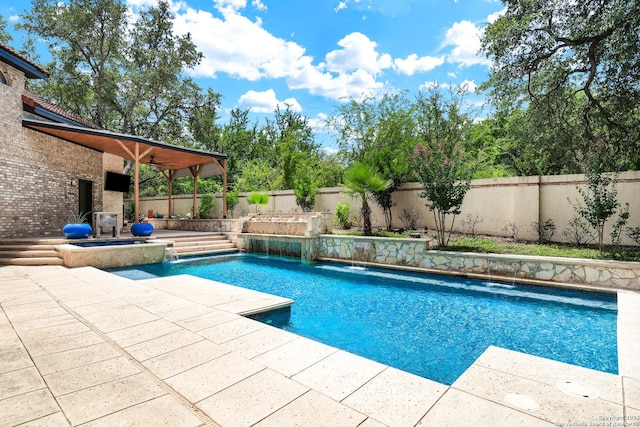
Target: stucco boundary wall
point(415, 253)
point(498, 203)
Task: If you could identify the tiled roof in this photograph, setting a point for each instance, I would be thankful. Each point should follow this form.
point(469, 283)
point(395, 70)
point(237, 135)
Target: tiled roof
point(33, 100)
point(22, 58)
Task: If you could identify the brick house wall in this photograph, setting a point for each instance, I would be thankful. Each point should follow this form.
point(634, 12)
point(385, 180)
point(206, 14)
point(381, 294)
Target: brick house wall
point(39, 174)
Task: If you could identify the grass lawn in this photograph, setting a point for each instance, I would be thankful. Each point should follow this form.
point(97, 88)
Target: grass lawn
point(504, 246)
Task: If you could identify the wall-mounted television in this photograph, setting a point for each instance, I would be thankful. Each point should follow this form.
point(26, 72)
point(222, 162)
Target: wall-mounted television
point(117, 182)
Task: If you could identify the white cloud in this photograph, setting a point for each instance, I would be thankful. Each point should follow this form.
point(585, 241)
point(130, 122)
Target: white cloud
point(259, 5)
point(229, 46)
point(469, 85)
point(464, 36)
point(233, 5)
point(340, 6)
point(14, 18)
point(412, 64)
point(358, 52)
point(494, 16)
point(266, 102)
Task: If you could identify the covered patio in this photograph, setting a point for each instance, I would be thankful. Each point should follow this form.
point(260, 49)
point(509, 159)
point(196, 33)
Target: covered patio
point(171, 160)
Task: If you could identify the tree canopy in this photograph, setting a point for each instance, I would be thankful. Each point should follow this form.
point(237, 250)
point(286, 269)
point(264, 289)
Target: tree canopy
point(574, 67)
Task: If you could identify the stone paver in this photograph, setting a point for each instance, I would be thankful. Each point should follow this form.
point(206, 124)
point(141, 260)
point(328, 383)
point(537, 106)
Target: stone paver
point(459, 409)
point(396, 398)
point(251, 400)
point(339, 374)
point(104, 399)
point(175, 352)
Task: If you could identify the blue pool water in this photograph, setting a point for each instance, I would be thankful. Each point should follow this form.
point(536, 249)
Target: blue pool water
point(432, 326)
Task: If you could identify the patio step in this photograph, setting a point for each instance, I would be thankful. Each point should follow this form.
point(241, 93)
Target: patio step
point(32, 261)
point(203, 248)
point(30, 252)
point(204, 244)
point(200, 238)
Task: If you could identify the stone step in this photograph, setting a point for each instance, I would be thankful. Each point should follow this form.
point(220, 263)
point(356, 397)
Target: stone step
point(185, 243)
point(34, 253)
point(204, 248)
point(27, 247)
point(33, 241)
point(209, 252)
point(211, 236)
point(31, 261)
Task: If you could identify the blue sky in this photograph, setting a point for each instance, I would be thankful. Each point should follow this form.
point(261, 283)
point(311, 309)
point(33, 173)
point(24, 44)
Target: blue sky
point(313, 55)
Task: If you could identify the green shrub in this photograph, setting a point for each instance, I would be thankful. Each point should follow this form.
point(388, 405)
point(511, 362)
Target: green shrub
point(206, 207)
point(232, 201)
point(342, 215)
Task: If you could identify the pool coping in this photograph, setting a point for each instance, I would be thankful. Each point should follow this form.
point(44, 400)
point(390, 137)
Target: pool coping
point(363, 392)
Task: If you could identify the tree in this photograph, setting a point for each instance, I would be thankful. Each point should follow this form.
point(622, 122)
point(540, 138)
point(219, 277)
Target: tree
point(258, 175)
point(306, 184)
point(600, 197)
point(297, 151)
point(570, 61)
point(123, 73)
point(443, 167)
point(380, 133)
point(5, 36)
point(362, 180)
point(239, 137)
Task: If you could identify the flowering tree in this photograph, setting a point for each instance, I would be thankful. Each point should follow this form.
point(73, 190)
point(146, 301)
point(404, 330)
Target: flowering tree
point(446, 178)
point(441, 164)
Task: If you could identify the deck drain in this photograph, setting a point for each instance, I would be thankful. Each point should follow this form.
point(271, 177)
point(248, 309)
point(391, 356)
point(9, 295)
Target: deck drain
point(573, 388)
point(521, 401)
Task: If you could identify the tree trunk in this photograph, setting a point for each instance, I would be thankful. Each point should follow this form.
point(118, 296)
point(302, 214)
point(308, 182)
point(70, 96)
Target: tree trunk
point(366, 217)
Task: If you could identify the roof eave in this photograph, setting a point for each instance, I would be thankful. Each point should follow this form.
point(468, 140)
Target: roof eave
point(29, 70)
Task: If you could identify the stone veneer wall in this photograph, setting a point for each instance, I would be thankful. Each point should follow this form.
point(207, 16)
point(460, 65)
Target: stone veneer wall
point(308, 224)
point(203, 225)
point(112, 256)
point(39, 173)
point(416, 253)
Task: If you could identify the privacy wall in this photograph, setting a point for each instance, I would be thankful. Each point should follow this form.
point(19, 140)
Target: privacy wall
point(498, 206)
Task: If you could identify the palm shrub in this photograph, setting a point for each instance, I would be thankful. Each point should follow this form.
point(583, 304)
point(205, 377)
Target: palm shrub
point(362, 180)
point(258, 199)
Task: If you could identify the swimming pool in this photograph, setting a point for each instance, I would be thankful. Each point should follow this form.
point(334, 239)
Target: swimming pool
point(432, 326)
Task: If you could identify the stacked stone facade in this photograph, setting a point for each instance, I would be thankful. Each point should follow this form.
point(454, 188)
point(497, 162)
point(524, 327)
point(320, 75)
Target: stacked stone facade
point(39, 174)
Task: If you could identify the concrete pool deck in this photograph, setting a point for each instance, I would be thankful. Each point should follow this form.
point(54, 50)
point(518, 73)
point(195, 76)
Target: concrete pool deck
point(84, 347)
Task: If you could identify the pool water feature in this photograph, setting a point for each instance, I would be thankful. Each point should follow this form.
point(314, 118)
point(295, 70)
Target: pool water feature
point(432, 326)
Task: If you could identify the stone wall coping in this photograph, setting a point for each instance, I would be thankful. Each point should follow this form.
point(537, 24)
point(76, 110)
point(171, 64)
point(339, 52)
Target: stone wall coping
point(555, 260)
point(379, 239)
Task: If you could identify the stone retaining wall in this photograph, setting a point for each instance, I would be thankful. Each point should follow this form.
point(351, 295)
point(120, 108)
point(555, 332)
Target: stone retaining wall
point(416, 253)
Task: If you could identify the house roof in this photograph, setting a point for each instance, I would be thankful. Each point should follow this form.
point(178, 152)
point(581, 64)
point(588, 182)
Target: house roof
point(13, 58)
point(41, 107)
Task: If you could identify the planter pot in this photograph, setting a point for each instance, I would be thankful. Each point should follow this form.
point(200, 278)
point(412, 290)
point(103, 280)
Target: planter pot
point(141, 229)
point(77, 231)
